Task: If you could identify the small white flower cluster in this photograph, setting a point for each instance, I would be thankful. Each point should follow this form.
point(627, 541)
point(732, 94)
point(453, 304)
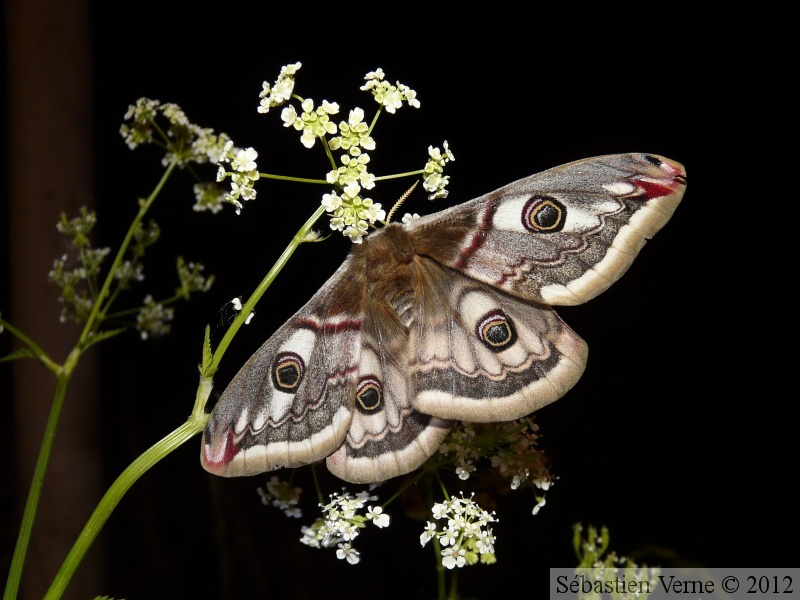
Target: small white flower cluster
point(153, 318)
point(388, 95)
point(434, 182)
point(76, 282)
point(192, 279)
point(519, 457)
point(461, 442)
point(511, 447)
point(281, 495)
point(279, 92)
point(314, 123)
point(467, 537)
point(140, 130)
point(129, 271)
point(208, 196)
point(244, 173)
point(78, 303)
point(340, 524)
point(351, 213)
point(185, 142)
point(597, 563)
point(353, 134)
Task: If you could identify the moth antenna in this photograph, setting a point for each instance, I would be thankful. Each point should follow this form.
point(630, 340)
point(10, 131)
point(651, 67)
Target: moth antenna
point(400, 201)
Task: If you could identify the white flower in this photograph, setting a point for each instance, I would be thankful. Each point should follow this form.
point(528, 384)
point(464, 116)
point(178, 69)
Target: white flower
point(331, 201)
point(356, 232)
point(464, 471)
point(485, 541)
point(440, 510)
point(280, 91)
point(388, 95)
point(434, 182)
point(448, 537)
point(378, 517)
point(330, 108)
point(427, 535)
point(542, 484)
point(541, 502)
point(453, 557)
point(289, 116)
point(245, 160)
point(347, 551)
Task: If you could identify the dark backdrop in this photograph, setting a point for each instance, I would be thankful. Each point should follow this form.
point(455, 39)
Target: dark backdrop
point(679, 435)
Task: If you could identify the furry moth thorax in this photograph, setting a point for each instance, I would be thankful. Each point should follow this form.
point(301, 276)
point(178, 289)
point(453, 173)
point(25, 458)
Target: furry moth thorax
point(445, 318)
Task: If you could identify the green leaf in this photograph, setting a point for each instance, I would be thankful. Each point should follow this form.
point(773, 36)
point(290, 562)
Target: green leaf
point(205, 368)
point(17, 354)
point(103, 335)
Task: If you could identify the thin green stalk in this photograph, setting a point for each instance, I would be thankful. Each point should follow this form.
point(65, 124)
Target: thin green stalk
point(193, 426)
point(454, 584)
point(398, 175)
point(437, 548)
point(35, 491)
point(37, 350)
point(316, 484)
point(64, 374)
point(92, 322)
point(298, 239)
point(112, 497)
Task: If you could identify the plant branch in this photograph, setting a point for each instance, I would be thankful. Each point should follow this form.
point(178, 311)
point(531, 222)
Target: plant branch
point(39, 472)
point(129, 476)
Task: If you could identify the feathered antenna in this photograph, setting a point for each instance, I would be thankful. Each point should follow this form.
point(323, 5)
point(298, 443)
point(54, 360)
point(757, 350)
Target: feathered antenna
point(400, 201)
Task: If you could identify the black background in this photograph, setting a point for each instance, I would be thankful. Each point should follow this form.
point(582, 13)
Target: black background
point(679, 435)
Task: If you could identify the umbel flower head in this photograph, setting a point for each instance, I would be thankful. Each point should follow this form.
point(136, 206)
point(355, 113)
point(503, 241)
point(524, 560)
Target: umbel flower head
point(350, 211)
point(313, 122)
point(341, 523)
point(281, 495)
point(243, 174)
point(462, 528)
point(510, 446)
point(280, 91)
point(186, 142)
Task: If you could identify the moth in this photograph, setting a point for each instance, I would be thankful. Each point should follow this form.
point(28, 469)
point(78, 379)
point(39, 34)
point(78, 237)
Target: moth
point(446, 318)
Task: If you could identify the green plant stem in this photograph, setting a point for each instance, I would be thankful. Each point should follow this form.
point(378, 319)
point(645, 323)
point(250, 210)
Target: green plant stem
point(437, 547)
point(144, 205)
point(35, 348)
point(63, 374)
point(298, 239)
point(398, 175)
point(112, 497)
point(193, 426)
point(39, 472)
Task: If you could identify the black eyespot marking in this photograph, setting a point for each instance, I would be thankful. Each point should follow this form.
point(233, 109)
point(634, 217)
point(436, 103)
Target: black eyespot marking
point(543, 214)
point(369, 395)
point(496, 331)
point(287, 371)
point(653, 160)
